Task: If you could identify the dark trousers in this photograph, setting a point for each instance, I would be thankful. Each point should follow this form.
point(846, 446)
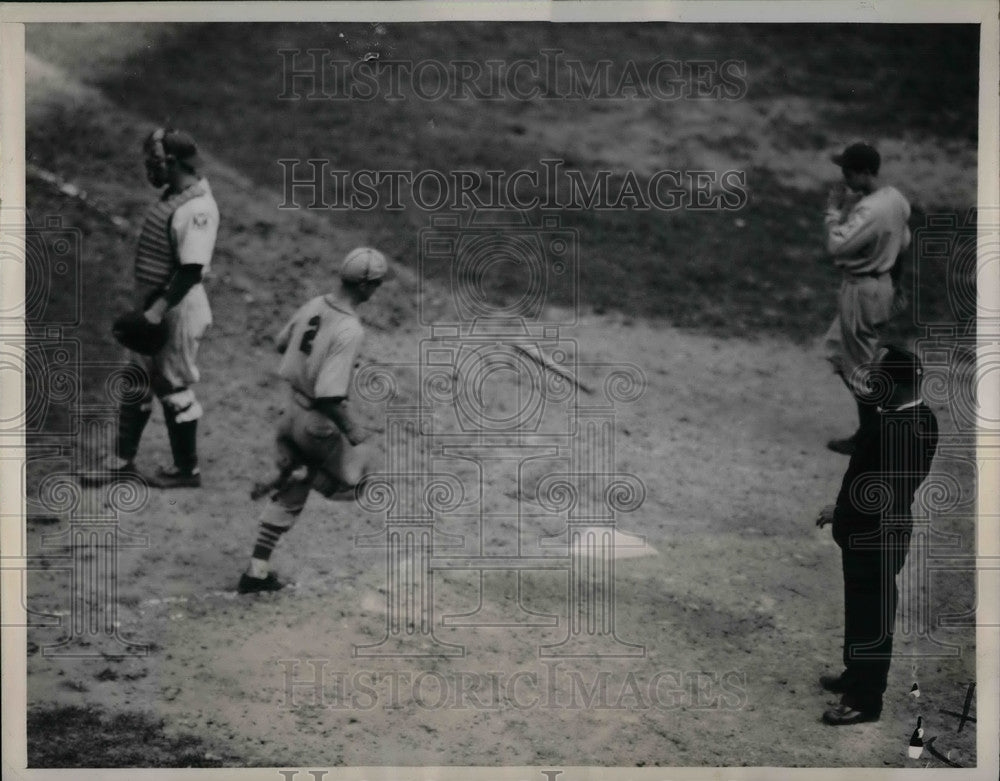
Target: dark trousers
point(870, 600)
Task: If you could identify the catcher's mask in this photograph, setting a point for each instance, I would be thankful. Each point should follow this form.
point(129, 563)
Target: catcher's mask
point(166, 146)
point(156, 157)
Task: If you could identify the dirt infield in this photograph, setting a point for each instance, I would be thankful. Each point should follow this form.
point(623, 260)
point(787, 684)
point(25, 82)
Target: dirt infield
point(739, 612)
point(723, 619)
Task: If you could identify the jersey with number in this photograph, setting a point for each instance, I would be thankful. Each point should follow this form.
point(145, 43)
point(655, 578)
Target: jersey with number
point(320, 345)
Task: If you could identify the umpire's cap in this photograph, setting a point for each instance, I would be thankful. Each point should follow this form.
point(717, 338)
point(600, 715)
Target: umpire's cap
point(859, 157)
point(901, 366)
point(363, 264)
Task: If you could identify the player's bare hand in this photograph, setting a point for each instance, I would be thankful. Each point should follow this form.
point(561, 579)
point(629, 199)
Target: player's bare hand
point(825, 516)
point(156, 311)
point(837, 196)
point(359, 435)
point(265, 487)
point(900, 301)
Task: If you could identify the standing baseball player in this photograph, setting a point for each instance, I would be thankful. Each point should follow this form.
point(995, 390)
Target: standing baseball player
point(872, 523)
point(319, 438)
point(174, 252)
point(865, 243)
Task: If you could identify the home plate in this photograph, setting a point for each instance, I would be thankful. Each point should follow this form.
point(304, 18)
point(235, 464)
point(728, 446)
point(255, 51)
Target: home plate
point(591, 541)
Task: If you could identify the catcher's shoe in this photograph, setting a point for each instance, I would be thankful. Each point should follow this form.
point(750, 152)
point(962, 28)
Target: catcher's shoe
point(111, 475)
point(252, 585)
point(176, 478)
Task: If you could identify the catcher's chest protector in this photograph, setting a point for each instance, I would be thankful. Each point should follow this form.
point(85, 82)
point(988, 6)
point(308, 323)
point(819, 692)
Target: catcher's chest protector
point(155, 260)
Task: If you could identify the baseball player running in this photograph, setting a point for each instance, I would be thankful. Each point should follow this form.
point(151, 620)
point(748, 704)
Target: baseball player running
point(865, 244)
point(174, 252)
point(318, 437)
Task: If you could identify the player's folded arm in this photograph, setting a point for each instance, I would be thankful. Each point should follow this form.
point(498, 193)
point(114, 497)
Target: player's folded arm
point(848, 237)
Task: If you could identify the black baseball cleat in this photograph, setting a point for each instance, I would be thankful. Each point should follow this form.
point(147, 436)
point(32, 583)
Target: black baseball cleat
point(252, 585)
point(110, 475)
point(833, 683)
point(175, 478)
point(843, 446)
point(845, 714)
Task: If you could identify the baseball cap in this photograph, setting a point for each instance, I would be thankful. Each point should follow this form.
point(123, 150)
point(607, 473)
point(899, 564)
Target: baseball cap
point(859, 157)
point(363, 265)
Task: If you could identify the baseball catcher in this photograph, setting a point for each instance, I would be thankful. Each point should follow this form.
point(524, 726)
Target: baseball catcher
point(174, 251)
point(319, 440)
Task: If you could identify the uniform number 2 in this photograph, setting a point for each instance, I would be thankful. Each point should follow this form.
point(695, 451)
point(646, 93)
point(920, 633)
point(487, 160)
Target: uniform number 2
point(306, 345)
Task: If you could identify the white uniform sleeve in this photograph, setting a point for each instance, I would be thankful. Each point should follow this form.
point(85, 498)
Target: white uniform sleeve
point(334, 378)
point(193, 227)
point(285, 335)
point(845, 239)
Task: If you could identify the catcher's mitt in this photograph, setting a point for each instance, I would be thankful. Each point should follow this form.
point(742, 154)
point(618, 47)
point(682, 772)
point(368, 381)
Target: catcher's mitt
point(135, 332)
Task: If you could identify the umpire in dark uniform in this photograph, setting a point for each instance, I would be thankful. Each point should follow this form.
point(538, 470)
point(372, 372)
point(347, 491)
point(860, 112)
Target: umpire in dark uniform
point(872, 523)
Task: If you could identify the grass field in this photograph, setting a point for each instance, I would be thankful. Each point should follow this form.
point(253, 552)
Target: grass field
point(722, 309)
point(761, 270)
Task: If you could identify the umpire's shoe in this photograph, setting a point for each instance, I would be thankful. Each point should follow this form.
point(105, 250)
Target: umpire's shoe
point(846, 713)
point(176, 478)
point(833, 683)
point(252, 585)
